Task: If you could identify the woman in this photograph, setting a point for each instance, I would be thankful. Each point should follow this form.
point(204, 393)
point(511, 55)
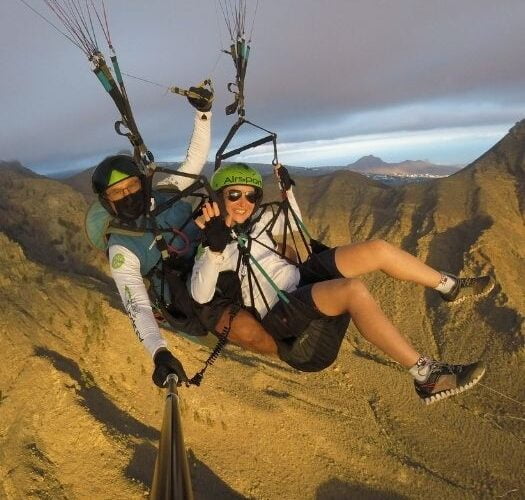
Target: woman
point(309, 323)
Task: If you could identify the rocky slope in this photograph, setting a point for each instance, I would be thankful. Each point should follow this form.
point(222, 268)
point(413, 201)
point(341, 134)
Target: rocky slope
point(79, 417)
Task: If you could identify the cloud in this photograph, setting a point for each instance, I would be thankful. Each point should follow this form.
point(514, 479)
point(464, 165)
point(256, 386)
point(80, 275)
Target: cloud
point(318, 70)
point(450, 146)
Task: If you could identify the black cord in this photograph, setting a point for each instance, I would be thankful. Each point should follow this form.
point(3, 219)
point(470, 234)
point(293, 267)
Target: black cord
point(223, 340)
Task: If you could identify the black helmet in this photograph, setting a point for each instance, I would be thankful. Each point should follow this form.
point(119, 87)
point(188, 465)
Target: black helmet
point(111, 170)
point(100, 180)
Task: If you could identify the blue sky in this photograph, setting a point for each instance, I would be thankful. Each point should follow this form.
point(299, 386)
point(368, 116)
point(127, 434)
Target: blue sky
point(336, 80)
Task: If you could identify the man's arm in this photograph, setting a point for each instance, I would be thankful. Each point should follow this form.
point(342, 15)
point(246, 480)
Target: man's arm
point(196, 155)
point(125, 269)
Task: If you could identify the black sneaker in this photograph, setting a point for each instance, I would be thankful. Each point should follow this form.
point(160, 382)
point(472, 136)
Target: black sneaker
point(445, 380)
point(467, 288)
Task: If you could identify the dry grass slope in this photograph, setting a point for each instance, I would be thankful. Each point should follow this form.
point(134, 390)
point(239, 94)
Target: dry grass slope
point(79, 417)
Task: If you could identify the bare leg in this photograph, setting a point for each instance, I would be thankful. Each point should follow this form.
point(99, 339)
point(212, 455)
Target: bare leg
point(341, 296)
point(248, 333)
point(379, 255)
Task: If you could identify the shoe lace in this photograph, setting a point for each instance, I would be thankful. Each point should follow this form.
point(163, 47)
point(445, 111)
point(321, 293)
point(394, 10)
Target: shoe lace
point(477, 280)
point(468, 281)
point(439, 367)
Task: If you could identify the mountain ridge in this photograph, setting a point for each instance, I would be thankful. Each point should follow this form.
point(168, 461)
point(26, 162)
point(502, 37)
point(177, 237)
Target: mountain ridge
point(76, 400)
point(373, 165)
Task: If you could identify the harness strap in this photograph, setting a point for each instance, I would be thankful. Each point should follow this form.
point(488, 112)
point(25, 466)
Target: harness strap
point(241, 239)
point(222, 155)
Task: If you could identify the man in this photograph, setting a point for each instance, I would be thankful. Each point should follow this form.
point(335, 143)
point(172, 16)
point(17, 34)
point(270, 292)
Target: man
point(134, 252)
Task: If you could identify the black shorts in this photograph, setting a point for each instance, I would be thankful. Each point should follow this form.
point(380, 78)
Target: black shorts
point(307, 339)
point(319, 267)
point(194, 319)
point(227, 293)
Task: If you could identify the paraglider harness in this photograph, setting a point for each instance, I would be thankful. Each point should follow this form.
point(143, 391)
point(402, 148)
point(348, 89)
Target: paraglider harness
point(174, 265)
point(239, 51)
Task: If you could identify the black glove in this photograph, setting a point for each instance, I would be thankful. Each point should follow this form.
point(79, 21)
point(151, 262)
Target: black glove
point(284, 177)
point(166, 363)
point(217, 234)
point(204, 101)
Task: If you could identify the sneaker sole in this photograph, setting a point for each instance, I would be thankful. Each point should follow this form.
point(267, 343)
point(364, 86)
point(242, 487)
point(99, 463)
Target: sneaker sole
point(474, 296)
point(452, 392)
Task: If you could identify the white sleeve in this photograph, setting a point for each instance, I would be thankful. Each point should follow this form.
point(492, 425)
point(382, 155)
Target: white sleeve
point(279, 225)
point(196, 155)
point(125, 269)
point(206, 271)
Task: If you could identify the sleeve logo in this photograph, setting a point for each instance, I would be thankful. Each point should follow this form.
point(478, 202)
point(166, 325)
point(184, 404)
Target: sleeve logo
point(117, 261)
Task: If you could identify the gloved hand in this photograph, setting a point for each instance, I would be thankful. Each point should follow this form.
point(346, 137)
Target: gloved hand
point(204, 101)
point(166, 363)
point(216, 229)
point(284, 178)
point(217, 234)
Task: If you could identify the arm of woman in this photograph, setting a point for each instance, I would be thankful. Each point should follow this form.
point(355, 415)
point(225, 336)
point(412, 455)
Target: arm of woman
point(216, 257)
point(205, 273)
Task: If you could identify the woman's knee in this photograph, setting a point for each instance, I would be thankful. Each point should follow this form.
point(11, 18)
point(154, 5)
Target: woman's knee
point(247, 332)
point(356, 294)
point(333, 297)
point(354, 287)
point(380, 247)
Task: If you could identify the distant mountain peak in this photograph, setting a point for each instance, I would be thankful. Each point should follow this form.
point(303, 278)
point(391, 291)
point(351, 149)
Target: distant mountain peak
point(368, 161)
point(372, 165)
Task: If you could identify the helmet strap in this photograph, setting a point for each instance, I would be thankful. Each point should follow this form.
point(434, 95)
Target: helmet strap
point(221, 203)
point(147, 186)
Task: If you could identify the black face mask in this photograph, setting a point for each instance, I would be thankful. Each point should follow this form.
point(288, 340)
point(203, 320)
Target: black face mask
point(130, 207)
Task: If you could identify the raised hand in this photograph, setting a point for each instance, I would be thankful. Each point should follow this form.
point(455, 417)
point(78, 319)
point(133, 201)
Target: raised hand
point(216, 229)
point(204, 100)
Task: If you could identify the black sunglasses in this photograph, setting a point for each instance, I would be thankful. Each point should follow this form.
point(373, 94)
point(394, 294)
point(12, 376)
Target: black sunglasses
point(236, 194)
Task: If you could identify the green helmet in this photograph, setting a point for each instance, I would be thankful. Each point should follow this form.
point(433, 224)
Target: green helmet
point(236, 173)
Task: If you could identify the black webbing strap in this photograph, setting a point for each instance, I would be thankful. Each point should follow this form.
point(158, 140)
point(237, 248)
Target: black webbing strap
point(222, 155)
point(200, 181)
point(240, 52)
point(251, 273)
point(245, 252)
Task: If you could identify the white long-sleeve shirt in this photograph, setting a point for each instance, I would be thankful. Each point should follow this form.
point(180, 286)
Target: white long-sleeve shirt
point(286, 276)
point(125, 269)
point(125, 265)
point(196, 155)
